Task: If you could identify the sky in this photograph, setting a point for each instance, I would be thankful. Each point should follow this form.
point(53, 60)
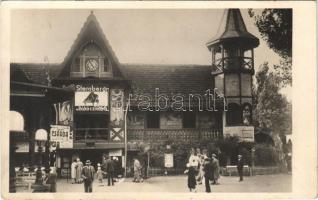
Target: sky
point(149, 36)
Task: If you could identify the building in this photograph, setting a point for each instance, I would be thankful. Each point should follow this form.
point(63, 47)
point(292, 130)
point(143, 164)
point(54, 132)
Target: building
point(89, 101)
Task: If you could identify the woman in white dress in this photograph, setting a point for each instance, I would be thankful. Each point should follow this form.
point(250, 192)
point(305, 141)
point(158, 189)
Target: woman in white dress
point(73, 171)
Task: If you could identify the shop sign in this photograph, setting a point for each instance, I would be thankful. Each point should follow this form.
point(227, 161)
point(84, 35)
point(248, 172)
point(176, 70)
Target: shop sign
point(115, 152)
point(168, 160)
point(62, 135)
point(91, 98)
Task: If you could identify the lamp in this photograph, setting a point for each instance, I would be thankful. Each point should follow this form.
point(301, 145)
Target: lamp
point(41, 138)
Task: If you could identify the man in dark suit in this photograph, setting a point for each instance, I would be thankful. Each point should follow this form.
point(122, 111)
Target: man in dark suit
point(240, 164)
point(208, 173)
point(88, 172)
point(109, 168)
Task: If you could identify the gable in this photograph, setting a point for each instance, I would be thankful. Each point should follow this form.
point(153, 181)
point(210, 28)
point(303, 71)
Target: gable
point(91, 33)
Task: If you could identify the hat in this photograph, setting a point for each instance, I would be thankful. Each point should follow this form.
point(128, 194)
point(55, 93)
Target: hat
point(239, 155)
point(88, 162)
point(207, 159)
point(213, 155)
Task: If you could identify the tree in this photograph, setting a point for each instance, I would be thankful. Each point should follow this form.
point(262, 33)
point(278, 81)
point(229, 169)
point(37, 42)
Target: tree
point(272, 110)
point(275, 26)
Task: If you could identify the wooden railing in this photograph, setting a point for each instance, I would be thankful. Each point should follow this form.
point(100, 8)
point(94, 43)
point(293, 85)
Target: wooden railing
point(91, 134)
point(232, 63)
point(167, 134)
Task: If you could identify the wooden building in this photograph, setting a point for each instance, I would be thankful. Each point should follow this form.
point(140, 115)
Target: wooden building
point(98, 101)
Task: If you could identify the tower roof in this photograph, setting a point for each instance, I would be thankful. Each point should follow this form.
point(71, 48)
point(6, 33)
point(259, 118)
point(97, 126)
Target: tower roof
point(232, 29)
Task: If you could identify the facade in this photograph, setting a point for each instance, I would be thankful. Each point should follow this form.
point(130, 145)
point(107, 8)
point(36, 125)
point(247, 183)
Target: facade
point(92, 105)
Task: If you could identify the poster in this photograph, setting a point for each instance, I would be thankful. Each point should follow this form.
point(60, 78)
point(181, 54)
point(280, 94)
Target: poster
point(168, 160)
point(91, 98)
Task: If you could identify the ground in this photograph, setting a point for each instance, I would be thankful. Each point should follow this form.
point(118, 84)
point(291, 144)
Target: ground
point(259, 183)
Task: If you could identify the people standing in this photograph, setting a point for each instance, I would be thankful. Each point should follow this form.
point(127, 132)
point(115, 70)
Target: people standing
point(109, 168)
point(88, 172)
point(73, 171)
point(137, 170)
point(79, 168)
point(208, 174)
point(216, 169)
point(240, 164)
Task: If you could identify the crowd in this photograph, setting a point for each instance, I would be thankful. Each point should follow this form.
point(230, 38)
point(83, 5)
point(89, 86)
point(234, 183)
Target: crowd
point(202, 167)
point(109, 168)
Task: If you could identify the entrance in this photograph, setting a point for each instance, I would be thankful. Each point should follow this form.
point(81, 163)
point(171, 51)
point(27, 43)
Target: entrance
point(94, 155)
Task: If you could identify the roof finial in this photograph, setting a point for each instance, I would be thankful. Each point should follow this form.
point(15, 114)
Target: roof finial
point(92, 12)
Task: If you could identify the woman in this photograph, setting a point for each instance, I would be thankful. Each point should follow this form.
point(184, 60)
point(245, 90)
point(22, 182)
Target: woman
point(79, 168)
point(73, 171)
point(191, 178)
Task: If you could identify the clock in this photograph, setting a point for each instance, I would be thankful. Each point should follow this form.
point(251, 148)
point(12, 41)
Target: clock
point(91, 64)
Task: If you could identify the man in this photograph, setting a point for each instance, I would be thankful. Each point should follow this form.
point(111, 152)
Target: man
point(208, 174)
point(109, 168)
point(216, 169)
point(240, 164)
point(88, 172)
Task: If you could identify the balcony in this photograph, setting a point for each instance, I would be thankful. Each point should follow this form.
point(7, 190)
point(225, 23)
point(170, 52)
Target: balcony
point(237, 63)
point(172, 134)
point(91, 134)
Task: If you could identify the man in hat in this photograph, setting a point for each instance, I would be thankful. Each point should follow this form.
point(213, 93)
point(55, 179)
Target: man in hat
point(240, 164)
point(208, 173)
point(88, 176)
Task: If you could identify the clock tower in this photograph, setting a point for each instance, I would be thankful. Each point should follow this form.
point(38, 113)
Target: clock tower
point(232, 51)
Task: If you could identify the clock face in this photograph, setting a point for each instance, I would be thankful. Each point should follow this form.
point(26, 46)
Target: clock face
point(91, 65)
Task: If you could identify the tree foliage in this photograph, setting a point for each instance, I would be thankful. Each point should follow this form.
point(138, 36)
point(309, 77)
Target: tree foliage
point(271, 109)
point(275, 26)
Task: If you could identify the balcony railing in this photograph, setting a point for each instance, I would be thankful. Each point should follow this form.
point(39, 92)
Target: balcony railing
point(232, 63)
point(167, 134)
point(91, 134)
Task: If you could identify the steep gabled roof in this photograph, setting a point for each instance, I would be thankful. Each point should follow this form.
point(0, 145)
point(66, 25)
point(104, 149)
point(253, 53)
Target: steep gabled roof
point(231, 28)
point(91, 30)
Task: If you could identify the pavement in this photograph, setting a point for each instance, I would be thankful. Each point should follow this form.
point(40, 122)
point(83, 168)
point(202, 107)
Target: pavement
point(178, 184)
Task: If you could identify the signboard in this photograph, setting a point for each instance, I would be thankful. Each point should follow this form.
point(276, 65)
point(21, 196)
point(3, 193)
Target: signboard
point(168, 160)
point(115, 152)
point(245, 133)
point(91, 98)
point(63, 135)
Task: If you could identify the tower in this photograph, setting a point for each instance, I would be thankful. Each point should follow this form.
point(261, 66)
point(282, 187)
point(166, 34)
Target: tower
point(232, 69)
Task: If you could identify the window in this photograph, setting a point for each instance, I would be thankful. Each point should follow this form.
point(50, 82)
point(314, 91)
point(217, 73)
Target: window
point(234, 115)
point(189, 120)
point(91, 126)
point(153, 120)
point(106, 65)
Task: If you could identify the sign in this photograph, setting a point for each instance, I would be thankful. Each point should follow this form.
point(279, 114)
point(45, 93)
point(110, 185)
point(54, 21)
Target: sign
point(59, 133)
point(63, 113)
point(168, 160)
point(91, 98)
point(115, 152)
point(62, 135)
point(245, 133)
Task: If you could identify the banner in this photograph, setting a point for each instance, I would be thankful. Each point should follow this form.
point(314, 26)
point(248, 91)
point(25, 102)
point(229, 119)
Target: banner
point(63, 113)
point(91, 98)
point(117, 115)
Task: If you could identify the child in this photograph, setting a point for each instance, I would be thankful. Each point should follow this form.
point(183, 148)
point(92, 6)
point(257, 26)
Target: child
point(191, 177)
point(99, 173)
